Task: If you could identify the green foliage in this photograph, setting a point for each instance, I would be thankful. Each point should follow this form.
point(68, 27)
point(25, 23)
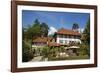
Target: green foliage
point(37, 29)
point(52, 51)
point(26, 52)
point(61, 49)
point(45, 51)
point(27, 34)
point(85, 46)
point(68, 58)
point(36, 22)
point(84, 49)
point(44, 29)
point(75, 26)
point(86, 33)
point(27, 56)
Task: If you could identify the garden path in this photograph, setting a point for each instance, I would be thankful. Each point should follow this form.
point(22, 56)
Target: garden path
point(38, 58)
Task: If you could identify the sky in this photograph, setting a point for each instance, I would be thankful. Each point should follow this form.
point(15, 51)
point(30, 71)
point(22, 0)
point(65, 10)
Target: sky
point(55, 20)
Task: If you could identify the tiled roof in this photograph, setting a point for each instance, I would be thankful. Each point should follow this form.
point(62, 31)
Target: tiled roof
point(45, 40)
point(53, 44)
point(67, 32)
point(42, 39)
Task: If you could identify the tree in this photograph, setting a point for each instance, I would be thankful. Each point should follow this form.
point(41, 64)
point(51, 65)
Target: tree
point(36, 22)
point(28, 33)
point(23, 33)
point(86, 38)
point(37, 29)
point(33, 30)
point(45, 51)
point(61, 49)
point(44, 29)
point(75, 26)
point(26, 52)
point(86, 33)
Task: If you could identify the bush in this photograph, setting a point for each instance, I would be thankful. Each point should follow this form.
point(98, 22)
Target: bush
point(45, 51)
point(27, 53)
point(27, 56)
point(84, 49)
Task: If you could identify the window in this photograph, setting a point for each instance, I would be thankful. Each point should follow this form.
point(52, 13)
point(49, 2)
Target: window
point(66, 42)
point(60, 36)
point(61, 41)
point(69, 36)
point(66, 36)
point(72, 36)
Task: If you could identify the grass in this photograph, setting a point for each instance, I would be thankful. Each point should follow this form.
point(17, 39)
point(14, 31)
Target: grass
point(69, 58)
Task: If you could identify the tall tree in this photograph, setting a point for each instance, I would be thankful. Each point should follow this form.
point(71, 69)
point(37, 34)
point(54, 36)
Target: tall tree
point(86, 38)
point(33, 30)
point(75, 26)
point(28, 33)
point(44, 29)
point(36, 22)
point(86, 32)
point(36, 30)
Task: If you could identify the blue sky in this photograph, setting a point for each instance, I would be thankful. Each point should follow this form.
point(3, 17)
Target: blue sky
point(55, 19)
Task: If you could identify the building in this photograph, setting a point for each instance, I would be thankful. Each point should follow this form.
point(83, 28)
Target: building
point(44, 41)
point(38, 43)
point(61, 37)
point(41, 41)
point(65, 36)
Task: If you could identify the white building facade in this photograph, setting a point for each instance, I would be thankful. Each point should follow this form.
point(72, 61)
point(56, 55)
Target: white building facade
point(67, 39)
point(64, 37)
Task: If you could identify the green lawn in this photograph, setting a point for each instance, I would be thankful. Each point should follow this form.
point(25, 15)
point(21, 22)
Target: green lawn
point(69, 58)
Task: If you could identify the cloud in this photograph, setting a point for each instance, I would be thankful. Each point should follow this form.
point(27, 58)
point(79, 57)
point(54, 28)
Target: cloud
point(52, 30)
point(81, 30)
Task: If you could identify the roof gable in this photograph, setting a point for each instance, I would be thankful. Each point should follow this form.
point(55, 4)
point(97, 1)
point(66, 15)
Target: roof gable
point(67, 32)
point(42, 39)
